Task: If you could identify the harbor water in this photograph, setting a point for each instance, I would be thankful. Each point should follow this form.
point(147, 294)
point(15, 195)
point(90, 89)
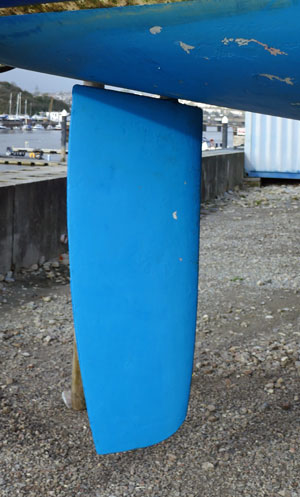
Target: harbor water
point(30, 139)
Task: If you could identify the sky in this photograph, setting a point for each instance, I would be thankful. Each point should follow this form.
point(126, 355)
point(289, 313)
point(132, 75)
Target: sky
point(35, 81)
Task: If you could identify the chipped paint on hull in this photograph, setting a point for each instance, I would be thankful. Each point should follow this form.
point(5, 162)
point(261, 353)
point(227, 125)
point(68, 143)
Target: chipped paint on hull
point(187, 48)
point(178, 50)
point(155, 30)
point(271, 77)
point(242, 42)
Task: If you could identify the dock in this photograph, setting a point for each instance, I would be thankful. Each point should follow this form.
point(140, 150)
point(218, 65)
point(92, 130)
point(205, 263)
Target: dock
point(17, 161)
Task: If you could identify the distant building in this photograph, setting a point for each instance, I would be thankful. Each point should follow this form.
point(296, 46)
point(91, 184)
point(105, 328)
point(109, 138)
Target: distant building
point(56, 116)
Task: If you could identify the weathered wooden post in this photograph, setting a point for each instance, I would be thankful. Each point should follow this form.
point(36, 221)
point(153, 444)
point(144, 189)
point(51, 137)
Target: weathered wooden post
point(74, 398)
point(63, 137)
point(77, 394)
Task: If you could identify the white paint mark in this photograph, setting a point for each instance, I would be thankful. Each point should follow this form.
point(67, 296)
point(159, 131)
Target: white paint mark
point(271, 77)
point(155, 30)
point(242, 42)
point(187, 48)
point(180, 259)
point(226, 41)
point(185, 183)
point(296, 104)
point(174, 214)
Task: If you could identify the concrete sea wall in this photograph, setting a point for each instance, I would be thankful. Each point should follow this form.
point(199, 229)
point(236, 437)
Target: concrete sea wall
point(33, 214)
point(32, 220)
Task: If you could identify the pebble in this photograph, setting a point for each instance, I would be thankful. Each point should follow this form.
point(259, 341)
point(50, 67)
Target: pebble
point(33, 267)
point(207, 466)
point(9, 277)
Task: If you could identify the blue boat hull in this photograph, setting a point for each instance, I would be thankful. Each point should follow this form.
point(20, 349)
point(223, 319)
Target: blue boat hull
point(238, 54)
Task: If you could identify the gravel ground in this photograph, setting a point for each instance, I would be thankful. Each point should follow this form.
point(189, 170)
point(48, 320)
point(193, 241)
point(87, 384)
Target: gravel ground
point(241, 435)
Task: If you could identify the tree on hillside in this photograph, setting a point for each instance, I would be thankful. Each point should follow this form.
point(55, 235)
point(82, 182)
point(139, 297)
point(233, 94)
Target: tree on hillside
point(35, 104)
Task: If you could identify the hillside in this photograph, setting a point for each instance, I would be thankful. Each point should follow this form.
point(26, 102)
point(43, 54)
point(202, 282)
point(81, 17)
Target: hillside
point(35, 103)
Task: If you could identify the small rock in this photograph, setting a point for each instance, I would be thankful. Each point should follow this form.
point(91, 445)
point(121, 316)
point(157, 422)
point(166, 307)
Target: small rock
point(212, 419)
point(207, 466)
point(265, 406)
point(283, 493)
point(171, 456)
point(2, 277)
point(64, 259)
point(9, 277)
point(34, 267)
point(269, 385)
point(279, 382)
point(47, 299)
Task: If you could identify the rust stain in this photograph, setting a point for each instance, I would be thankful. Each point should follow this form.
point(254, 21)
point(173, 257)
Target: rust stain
point(241, 42)
point(271, 77)
point(62, 6)
point(187, 48)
